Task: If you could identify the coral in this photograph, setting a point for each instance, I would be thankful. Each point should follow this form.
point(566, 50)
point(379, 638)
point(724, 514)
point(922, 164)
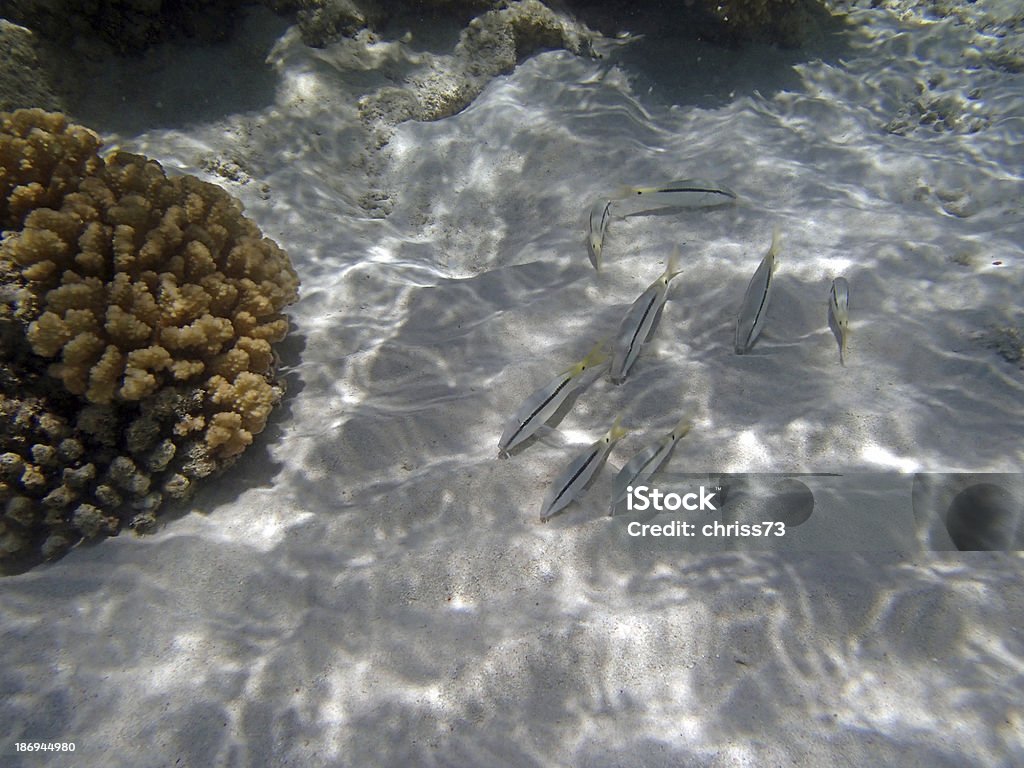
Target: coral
point(322, 21)
point(495, 41)
point(137, 327)
point(492, 44)
point(41, 157)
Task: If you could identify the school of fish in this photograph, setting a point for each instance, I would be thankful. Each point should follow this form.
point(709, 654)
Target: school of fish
point(637, 327)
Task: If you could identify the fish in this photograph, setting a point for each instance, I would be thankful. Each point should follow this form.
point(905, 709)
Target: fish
point(638, 323)
point(570, 484)
point(542, 404)
point(839, 311)
point(684, 193)
point(755, 300)
point(647, 462)
point(600, 215)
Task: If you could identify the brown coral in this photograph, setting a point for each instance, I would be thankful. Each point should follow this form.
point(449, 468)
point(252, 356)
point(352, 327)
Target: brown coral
point(150, 302)
point(146, 280)
point(41, 158)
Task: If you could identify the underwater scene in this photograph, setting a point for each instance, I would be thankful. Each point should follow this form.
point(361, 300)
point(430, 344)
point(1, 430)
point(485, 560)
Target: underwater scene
point(521, 383)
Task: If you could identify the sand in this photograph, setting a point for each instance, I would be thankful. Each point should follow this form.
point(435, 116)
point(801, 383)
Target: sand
point(370, 584)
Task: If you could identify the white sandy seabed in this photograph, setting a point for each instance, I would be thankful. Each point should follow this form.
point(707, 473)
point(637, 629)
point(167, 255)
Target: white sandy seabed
point(371, 585)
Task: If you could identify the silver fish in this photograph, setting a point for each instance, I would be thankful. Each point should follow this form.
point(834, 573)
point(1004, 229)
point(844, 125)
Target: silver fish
point(647, 462)
point(839, 313)
point(684, 193)
point(574, 478)
point(542, 404)
point(638, 323)
point(600, 215)
point(755, 300)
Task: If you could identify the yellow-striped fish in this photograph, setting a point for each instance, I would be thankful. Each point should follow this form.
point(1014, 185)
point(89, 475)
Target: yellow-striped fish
point(684, 193)
point(839, 313)
point(600, 215)
point(755, 301)
point(647, 462)
point(570, 484)
point(542, 404)
point(638, 323)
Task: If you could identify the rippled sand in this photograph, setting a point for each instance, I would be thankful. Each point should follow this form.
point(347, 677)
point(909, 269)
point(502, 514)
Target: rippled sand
point(371, 585)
